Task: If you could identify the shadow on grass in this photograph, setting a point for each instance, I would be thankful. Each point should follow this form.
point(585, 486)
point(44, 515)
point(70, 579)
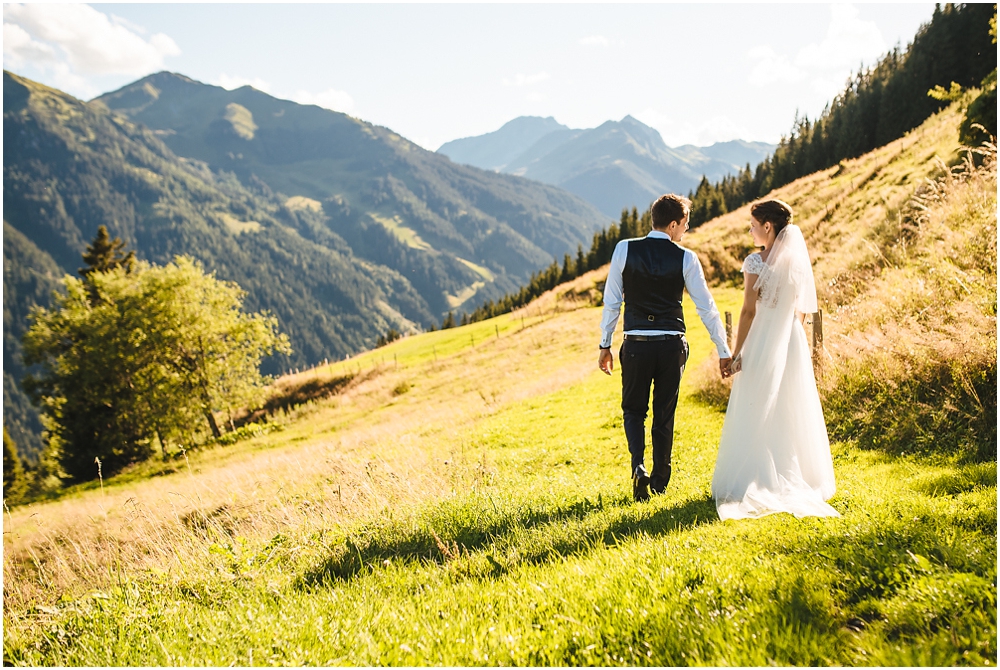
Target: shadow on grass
point(499, 542)
point(288, 395)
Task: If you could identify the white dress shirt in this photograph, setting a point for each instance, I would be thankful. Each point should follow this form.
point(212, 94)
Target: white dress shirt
point(694, 282)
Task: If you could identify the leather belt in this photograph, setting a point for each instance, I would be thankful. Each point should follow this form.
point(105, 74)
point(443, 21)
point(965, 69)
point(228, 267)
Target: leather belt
point(650, 338)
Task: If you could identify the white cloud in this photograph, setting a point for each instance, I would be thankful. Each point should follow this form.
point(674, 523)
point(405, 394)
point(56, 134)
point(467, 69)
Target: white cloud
point(595, 41)
point(231, 83)
point(526, 80)
point(654, 118)
point(849, 41)
point(19, 48)
point(338, 101)
point(709, 130)
point(85, 40)
point(772, 68)
point(119, 21)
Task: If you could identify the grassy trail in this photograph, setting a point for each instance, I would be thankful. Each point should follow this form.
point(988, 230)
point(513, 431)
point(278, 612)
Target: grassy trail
point(518, 543)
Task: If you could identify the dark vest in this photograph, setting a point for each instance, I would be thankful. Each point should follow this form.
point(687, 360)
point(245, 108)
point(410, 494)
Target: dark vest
point(653, 285)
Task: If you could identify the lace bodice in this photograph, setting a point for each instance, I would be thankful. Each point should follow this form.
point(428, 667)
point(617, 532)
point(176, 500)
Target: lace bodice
point(753, 264)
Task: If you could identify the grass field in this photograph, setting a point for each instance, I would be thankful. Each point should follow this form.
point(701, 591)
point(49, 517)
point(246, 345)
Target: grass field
point(489, 523)
point(463, 499)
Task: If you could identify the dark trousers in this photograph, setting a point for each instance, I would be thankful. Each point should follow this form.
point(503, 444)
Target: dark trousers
point(659, 363)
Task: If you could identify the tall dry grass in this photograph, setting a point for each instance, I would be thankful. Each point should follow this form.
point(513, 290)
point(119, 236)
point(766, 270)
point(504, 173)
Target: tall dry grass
point(393, 437)
point(904, 253)
point(912, 355)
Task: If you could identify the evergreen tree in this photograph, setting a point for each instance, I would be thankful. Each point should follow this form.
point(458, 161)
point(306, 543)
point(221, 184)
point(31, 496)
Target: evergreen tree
point(105, 254)
point(568, 269)
point(15, 482)
point(448, 322)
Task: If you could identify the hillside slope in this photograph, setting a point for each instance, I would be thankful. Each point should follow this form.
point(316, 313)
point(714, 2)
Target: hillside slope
point(463, 499)
point(836, 208)
point(903, 242)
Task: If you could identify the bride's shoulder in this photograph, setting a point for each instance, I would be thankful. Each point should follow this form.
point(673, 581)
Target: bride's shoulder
point(753, 264)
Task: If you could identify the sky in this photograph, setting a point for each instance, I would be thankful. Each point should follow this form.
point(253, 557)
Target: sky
point(697, 73)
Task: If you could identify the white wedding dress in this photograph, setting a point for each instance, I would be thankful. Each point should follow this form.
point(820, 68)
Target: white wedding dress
point(774, 453)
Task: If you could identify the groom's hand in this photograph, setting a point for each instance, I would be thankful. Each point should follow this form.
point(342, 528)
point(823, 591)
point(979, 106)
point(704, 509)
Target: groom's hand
point(726, 367)
point(606, 361)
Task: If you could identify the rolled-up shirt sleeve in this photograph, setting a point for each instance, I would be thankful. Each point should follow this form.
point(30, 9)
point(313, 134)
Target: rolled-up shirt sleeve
point(697, 288)
point(613, 294)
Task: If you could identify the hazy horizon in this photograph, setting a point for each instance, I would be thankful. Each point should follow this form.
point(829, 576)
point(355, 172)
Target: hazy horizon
point(698, 74)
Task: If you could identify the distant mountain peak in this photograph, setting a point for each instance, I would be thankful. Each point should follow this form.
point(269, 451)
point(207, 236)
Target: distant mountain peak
point(618, 163)
point(494, 150)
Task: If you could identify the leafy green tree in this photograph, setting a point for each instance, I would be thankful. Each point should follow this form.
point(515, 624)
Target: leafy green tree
point(160, 348)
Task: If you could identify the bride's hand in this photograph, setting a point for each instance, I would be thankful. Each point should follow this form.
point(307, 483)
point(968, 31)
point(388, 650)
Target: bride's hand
point(737, 364)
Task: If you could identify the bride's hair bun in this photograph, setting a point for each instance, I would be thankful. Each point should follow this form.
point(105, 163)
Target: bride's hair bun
point(775, 212)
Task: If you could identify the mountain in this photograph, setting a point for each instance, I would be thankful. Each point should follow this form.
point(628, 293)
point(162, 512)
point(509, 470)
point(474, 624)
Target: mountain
point(458, 234)
point(618, 164)
point(725, 158)
point(493, 151)
point(400, 235)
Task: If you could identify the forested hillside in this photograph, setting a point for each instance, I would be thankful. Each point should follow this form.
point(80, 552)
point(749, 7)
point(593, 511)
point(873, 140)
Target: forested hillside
point(451, 230)
point(337, 276)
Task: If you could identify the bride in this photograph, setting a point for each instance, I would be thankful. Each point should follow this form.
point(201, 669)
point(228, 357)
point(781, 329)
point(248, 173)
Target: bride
point(774, 454)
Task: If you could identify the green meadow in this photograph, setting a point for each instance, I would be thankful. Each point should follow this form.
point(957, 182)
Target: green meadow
point(462, 497)
point(532, 552)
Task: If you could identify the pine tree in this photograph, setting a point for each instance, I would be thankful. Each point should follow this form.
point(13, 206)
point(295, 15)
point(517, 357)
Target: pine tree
point(14, 477)
point(105, 254)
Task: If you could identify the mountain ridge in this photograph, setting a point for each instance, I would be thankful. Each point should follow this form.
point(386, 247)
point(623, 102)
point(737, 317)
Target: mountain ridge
point(337, 273)
point(618, 163)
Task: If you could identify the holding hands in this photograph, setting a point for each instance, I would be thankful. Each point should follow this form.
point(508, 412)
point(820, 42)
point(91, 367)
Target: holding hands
point(730, 366)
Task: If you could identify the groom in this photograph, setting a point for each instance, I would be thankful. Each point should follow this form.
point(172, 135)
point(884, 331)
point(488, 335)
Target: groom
point(650, 274)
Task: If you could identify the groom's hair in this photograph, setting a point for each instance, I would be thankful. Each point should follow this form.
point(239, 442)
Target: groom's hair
point(669, 208)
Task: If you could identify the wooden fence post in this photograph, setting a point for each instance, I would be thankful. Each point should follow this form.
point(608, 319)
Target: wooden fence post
point(817, 339)
point(729, 329)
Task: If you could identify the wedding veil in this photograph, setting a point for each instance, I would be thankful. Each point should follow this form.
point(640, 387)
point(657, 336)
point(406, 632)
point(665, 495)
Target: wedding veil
point(788, 269)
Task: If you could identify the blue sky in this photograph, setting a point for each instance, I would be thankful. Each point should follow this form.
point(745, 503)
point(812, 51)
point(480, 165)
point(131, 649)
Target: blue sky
point(698, 73)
